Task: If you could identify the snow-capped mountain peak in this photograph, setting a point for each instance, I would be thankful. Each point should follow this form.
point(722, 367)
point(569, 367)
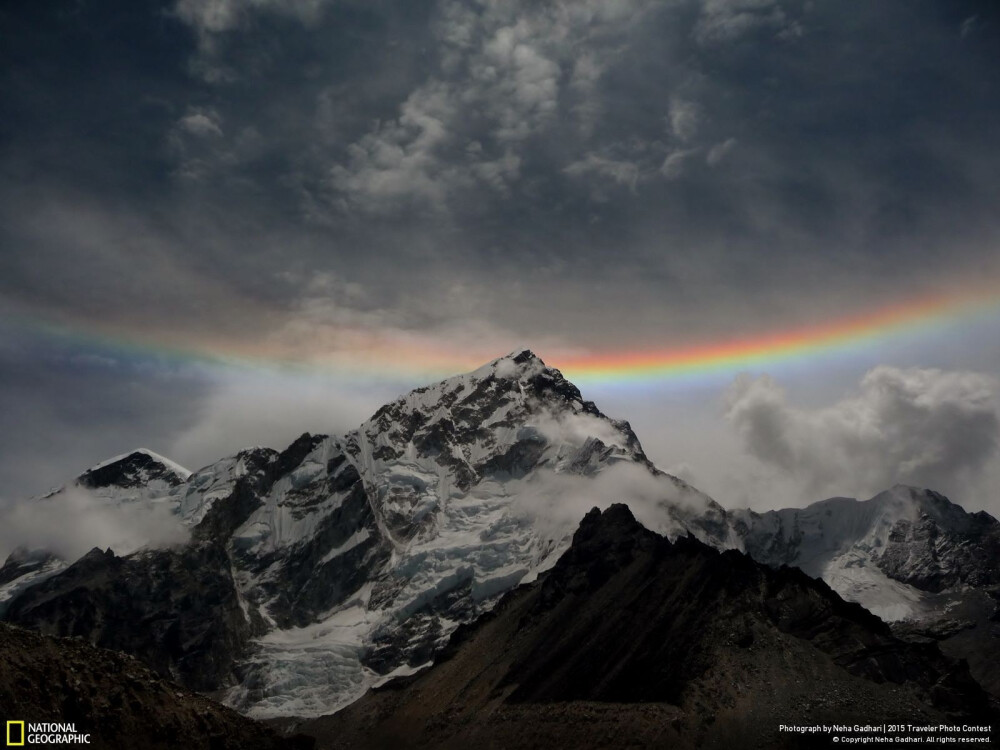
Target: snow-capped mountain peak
point(134, 469)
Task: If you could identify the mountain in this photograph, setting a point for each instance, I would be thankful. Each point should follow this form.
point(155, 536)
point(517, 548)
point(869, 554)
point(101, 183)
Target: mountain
point(294, 581)
point(141, 468)
point(634, 640)
point(888, 553)
point(909, 555)
point(314, 573)
point(132, 498)
point(117, 700)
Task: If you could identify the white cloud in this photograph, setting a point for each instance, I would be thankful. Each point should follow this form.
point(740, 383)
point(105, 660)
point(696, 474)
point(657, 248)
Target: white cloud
point(271, 409)
point(73, 522)
point(673, 165)
point(212, 18)
point(399, 160)
point(557, 502)
point(930, 428)
point(217, 16)
point(968, 26)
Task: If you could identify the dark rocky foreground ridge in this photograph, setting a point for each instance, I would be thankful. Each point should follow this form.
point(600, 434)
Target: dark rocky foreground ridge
point(117, 700)
point(631, 640)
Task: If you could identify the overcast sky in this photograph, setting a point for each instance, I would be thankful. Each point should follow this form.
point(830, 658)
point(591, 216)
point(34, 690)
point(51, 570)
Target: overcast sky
point(297, 179)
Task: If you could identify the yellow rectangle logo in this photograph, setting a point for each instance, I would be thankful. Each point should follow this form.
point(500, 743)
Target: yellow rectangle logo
point(15, 738)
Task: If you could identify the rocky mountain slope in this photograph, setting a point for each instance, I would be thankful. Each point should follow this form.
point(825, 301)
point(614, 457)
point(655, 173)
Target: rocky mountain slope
point(631, 640)
point(117, 700)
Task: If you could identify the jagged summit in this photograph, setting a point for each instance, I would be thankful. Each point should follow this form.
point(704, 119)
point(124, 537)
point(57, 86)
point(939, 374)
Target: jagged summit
point(134, 469)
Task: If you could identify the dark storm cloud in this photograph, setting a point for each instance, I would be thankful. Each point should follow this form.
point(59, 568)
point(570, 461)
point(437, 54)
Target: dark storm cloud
point(240, 171)
point(665, 148)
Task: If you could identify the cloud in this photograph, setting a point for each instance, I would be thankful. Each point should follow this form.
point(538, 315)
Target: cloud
point(201, 123)
point(212, 18)
point(505, 69)
point(399, 161)
point(926, 427)
point(65, 406)
point(684, 119)
point(271, 410)
point(216, 16)
point(486, 173)
point(621, 172)
point(968, 26)
point(673, 165)
point(728, 20)
point(720, 151)
point(74, 521)
point(556, 502)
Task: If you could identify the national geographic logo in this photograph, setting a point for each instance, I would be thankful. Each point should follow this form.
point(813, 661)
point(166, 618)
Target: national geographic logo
point(20, 733)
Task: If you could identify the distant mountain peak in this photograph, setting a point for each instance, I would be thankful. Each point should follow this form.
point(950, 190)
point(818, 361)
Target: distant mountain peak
point(134, 469)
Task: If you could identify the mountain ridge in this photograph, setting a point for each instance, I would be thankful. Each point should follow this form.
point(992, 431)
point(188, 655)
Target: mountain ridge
point(342, 561)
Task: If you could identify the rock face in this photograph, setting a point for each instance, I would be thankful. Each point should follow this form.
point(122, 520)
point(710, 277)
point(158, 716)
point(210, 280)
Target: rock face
point(140, 468)
point(117, 700)
point(177, 610)
point(24, 568)
point(633, 640)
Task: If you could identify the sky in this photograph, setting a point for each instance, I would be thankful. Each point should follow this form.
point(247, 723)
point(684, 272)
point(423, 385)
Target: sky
point(227, 222)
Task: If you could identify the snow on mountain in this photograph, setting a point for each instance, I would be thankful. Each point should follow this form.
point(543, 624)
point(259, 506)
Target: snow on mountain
point(140, 477)
point(417, 521)
point(139, 467)
point(23, 569)
point(892, 553)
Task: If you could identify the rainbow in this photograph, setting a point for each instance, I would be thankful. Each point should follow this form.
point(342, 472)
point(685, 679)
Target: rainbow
point(409, 358)
point(920, 316)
